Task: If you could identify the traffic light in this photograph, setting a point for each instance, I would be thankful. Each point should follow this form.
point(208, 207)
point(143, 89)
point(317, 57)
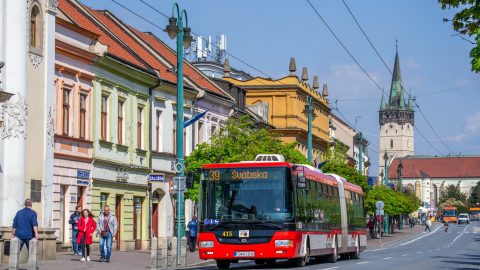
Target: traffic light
point(189, 181)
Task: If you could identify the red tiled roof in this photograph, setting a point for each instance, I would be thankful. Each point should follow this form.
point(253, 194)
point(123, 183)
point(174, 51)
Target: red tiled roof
point(114, 48)
point(437, 167)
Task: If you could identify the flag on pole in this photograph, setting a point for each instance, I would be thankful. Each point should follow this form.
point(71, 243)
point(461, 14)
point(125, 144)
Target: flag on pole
point(193, 119)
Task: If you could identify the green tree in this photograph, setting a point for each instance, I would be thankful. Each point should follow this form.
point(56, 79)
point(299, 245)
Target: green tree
point(461, 206)
point(467, 22)
point(236, 141)
point(336, 163)
point(452, 192)
point(474, 198)
point(395, 203)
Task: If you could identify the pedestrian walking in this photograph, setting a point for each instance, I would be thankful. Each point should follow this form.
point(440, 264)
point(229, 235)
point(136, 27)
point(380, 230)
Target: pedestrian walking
point(445, 225)
point(25, 225)
point(192, 233)
point(107, 228)
point(428, 223)
point(370, 227)
point(74, 218)
point(86, 228)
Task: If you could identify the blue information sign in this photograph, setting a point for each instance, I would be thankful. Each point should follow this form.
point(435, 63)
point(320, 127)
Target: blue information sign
point(156, 178)
point(83, 174)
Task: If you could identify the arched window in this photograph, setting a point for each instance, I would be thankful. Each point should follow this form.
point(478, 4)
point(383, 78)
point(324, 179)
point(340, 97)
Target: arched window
point(35, 28)
point(391, 143)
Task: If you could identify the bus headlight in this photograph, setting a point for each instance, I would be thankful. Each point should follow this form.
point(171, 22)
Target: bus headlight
point(206, 244)
point(283, 243)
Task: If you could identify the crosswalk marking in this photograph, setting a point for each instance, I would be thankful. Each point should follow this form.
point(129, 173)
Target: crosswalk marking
point(405, 255)
point(387, 258)
point(363, 262)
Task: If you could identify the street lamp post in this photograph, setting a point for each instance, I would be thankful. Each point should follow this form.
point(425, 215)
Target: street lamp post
point(311, 116)
point(385, 157)
point(175, 29)
point(400, 188)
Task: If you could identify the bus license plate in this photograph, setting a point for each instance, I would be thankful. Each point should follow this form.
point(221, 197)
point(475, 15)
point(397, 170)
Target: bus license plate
point(244, 254)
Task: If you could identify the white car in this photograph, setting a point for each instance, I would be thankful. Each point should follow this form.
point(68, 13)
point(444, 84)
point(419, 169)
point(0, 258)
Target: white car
point(463, 218)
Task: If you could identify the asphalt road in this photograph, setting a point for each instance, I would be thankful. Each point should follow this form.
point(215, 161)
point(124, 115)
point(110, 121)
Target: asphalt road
point(456, 249)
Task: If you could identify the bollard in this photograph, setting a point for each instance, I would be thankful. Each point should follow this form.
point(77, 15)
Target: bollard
point(14, 260)
point(163, 246)
point(32, 255)
point(154, 254)
point(183, 256)
point(172, 253)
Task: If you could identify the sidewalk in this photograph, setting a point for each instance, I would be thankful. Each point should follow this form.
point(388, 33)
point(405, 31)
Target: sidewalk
point(126, 260)
point(397, 236)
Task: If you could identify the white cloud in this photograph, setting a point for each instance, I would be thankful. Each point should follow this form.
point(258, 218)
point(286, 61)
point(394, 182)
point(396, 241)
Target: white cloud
point(472, 123)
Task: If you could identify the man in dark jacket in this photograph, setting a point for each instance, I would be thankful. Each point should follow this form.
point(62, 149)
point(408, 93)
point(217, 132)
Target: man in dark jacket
point(25, 225)
point(192, 233)
point(74, 221)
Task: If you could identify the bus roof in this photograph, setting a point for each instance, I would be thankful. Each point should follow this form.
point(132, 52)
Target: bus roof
point(246, 165)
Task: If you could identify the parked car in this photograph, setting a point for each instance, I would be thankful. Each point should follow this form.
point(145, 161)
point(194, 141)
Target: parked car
point(463, 218)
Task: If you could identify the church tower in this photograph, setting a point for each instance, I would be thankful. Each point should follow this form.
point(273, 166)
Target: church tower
point(396, 117)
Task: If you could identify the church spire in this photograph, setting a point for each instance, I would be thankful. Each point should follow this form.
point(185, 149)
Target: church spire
point(397, 96)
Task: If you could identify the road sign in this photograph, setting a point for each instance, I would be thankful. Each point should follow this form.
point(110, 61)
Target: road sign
point(179, 183)
point(379, 205)
point(380, 212)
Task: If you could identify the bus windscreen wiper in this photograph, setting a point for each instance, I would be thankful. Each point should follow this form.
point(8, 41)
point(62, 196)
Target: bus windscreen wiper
point(266, 223)
point(221, 223)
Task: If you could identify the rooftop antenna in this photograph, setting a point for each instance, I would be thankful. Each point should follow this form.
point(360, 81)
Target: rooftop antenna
point(221, 48)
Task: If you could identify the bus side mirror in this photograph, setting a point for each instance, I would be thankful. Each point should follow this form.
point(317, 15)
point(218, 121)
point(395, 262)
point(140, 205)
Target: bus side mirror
point(301, 181)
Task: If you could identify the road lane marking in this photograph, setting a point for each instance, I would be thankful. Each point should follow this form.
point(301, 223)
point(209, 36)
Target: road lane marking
point(438, 249)
point(335, 267)
point(460, 234)
point(405, 255)
point(419, 252)
point(363, 262)
point(387, 258)
point(411, 241)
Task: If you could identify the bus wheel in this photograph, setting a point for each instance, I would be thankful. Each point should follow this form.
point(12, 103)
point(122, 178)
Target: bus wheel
point(223, 264)
point(356, 254)
point(302, 261)
point(259, 262)
point(332, 258)
point(271, 262)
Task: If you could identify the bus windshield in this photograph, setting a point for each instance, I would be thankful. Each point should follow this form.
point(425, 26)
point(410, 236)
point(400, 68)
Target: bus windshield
point(449, 213)
point(246, 194)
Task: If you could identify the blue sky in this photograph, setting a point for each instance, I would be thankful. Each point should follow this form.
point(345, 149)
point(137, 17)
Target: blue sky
point(267, 33)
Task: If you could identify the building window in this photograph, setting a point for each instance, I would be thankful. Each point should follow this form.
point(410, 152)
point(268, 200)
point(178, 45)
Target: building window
point(157, 130)
point(391, 143)
point(139, 127)
point(103, 200)
point(35, 28)
point(36, 190)
point(83, 115)
point(103, 118)
point(120, 121)
point(66, 111)
point(200, 133)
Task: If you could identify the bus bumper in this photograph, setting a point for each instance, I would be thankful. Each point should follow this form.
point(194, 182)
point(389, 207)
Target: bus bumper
point(268, 250)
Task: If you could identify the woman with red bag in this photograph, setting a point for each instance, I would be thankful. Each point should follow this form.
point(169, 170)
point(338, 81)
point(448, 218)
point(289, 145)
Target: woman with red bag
point(86, 227)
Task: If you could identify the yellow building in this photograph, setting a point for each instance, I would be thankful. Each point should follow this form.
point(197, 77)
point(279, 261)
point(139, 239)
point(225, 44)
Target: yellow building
point(285, 101)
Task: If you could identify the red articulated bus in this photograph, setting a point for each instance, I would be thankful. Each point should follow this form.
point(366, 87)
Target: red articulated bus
point(270, 210)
